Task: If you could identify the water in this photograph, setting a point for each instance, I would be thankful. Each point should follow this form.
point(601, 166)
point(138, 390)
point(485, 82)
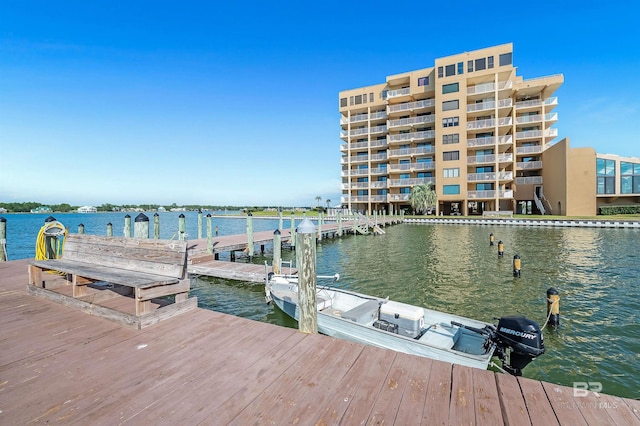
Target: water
point(452, 268)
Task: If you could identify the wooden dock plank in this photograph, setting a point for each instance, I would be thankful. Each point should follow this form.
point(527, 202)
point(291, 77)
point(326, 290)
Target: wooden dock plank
point(436, 409)
point(540, 411)
point(486, 399)
point(512, 403)
point(414, 398)
point(462, 407)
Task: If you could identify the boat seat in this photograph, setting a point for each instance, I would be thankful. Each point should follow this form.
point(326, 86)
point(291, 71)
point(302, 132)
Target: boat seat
point(441, 336)
point(364, 313)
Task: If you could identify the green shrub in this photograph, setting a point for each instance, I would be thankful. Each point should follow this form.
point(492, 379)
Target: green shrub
point(612, 210)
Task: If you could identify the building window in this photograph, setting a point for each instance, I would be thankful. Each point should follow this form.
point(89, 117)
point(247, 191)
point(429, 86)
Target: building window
point(484, 187)
point(423, 81)
point(447, 139)
point(363, 192)
point(384, 94)
point(451, 155)
point(505, 59)
point(460, 67)
point(490, 62)
point(481, 63)
point(450, 88)
point(405, 190)
point(440, 72)
point(371, 97)
point(450, 105)
point(451, 173)
point(450, 122)
point(343, 102)
point(606, 176)
point(469, 66)
point(358, 99)
point(450, 70)
point(451, 189)
point(629, 178)
point(350, 100)
point(422, 175)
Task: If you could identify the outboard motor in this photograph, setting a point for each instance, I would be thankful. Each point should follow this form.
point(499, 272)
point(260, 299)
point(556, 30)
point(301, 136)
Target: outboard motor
point(521, 339)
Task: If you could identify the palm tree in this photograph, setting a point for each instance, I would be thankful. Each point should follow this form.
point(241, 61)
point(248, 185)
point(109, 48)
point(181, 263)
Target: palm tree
point(423, 198)
point(318, 198)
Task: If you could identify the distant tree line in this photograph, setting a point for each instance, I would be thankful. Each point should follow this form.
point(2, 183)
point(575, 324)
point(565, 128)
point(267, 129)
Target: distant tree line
point(26, 207)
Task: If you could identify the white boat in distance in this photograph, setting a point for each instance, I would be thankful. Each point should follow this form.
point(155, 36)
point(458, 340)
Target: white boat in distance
point(412, 329)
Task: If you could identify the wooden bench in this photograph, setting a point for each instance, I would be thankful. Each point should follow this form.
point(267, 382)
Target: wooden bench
point(150, 269)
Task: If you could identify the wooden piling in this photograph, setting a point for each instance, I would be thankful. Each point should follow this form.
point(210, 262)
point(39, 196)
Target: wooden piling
point(306, 265)
point(156, 226)
point(141, 226)
point(280, 220)
point(182, 228)
point(127, 226)
point(209, 235)
point(319, 226)
point(250, 234)
point(277, 246)
point(81, 228)
point(339, 224)
point(292, 236)
point(200, 224)
point(109, 229)
point(3, 239)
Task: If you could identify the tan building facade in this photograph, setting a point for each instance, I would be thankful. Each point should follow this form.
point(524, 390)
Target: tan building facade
point(481, 134)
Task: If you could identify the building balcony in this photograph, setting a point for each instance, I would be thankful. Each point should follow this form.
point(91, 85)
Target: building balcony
point(489, 123)
point(355, 145)
point(537, 118)
point(378, 115)
point(359, 198)
point(489, 195)
point(529, 165)
point(379, 184)
point(379, 143)
point(376, 171)
point(357, 118)
point(411, 167)
point(479, 89)
point(355, 185)
point(378, 198)
point(355, 172)
point(399, 94)
point(524, 150)
point(412, 137)
point(490, 159)
point(536, 103)
point(490, 177)
point(411, 122)
point(537, 134)
point(397, 197)
point(394, 183)
point(376, 158)
point(529, 180)
point(489, 141)
point(405, 152)
point(378, 129)
point(411, 106)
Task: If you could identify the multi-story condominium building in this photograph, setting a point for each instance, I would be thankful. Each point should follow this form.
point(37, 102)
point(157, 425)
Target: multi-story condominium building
point(476, 130)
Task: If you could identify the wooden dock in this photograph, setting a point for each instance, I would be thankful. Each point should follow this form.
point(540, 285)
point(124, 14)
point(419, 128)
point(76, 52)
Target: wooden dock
point(60, 365)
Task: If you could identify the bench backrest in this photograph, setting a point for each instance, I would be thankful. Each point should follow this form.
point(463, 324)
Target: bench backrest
point(161, 257)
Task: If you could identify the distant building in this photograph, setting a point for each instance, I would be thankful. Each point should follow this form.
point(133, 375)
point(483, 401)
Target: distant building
point(484, 136)
point(42, 209)
point(87, 209)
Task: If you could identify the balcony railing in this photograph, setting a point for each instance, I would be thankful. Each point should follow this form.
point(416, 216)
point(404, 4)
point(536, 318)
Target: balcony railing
point(377, 143)
point(491, 176)
point(413, 136)
point(529, 165)
point(552, 116)
point(398, 197)
point(431, 118)
point(537, 102)
point(488, 87)
point(378, 157)
point(398, 92)
point(529, 134)
point(501, 140)
point(528, 180)
point(411, 182)
point(490, 158)
point(410, 106)
point(481, 106)
point(411, 151)
point(379, 129)
point(379, 184)
point(537, 149)
point(489, 194)
point(405, 167)
point(378, 171)
point(379, 115)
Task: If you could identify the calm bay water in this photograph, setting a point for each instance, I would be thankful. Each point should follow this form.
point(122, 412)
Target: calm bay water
point(452, 268)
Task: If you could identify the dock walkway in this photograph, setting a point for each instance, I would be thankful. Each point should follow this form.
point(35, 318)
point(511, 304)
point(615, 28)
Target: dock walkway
point(60, 365)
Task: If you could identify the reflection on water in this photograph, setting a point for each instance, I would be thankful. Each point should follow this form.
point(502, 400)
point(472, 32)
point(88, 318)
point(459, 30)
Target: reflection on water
point(452, 268)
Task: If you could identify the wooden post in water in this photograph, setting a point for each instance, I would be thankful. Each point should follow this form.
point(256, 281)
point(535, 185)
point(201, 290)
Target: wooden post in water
point(292, 236)
point(306, 264)
point(182, 228)
point(319, 226)
point(280, 219)
point(127, 226)
point(156, 226)
point(250, 234)
point(209, 235)
point(109, 229)
point(81, 228)
point(277, 246)
point(199, 224)
point(339, 223)
point(3, 239)
point(141, 226)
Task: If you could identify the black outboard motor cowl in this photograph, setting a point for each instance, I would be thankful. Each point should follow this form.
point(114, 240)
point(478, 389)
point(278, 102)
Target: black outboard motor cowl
point(524, 339)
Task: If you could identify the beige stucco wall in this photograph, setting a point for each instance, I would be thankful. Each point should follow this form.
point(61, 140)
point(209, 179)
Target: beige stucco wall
point(554, 176)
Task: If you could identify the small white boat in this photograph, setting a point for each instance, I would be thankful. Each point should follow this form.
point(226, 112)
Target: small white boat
point(412, 329)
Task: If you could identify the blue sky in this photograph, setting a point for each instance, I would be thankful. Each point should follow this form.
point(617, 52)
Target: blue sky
point(236, 103)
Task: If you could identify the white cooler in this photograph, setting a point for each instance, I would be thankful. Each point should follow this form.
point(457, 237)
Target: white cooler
point(410, 319)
